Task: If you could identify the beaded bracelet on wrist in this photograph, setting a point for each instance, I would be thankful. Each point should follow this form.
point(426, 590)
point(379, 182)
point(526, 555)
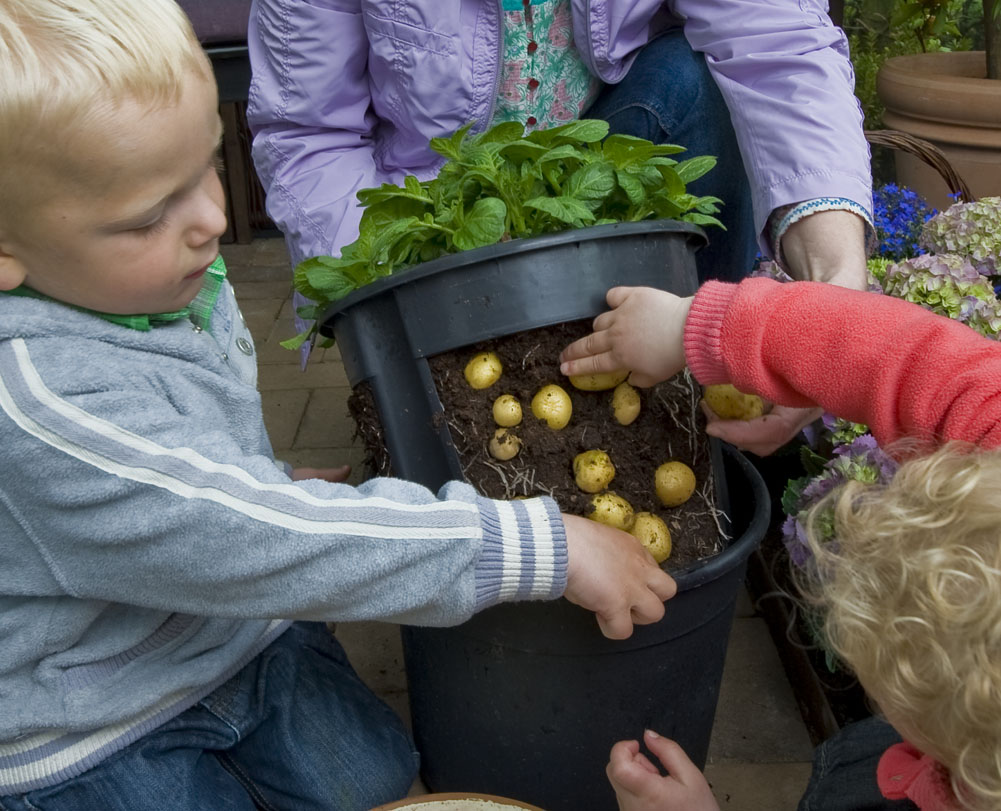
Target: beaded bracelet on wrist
point(782, 218)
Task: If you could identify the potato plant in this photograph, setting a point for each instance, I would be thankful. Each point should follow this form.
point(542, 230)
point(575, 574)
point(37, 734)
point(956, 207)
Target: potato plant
point(515, 422)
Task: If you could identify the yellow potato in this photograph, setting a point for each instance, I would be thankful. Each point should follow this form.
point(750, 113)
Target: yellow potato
point(552, 404)
point(483, 370)
point(625, 404)
point(507, 411)
point(504, 445)
point(613, 510)
point(732, 404)
point(599, 381)
point(651, 531)
point(674, 483)
point(593, 471)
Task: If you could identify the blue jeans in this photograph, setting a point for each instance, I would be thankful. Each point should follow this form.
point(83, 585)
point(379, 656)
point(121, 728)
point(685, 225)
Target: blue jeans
point(669, 96)
point(844, 770)
point(295, 729)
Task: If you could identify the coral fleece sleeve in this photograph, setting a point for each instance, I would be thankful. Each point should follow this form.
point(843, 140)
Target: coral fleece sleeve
point(869, 358)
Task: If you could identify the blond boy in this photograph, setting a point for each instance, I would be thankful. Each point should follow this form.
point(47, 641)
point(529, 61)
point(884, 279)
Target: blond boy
point(153, 553)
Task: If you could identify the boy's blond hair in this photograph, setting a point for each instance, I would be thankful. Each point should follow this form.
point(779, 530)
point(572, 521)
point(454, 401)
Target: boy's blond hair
point(911, 593)
point(64, 62)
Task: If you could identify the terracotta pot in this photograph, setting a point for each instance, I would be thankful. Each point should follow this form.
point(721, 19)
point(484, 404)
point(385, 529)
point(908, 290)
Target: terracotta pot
point(456, 802)
point(945, 99)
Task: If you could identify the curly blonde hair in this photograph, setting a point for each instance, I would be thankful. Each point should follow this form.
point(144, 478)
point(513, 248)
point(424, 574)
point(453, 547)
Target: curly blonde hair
point(910, 590)
point(65, 62)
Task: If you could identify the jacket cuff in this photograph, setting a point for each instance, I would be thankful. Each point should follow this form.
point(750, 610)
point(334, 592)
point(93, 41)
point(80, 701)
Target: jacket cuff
point(703, 328)
point(524, 553)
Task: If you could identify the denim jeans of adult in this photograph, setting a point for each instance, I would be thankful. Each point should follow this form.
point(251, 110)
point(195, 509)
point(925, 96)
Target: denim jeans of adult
point(295, 730)
point(669, 96)
point(844, 770)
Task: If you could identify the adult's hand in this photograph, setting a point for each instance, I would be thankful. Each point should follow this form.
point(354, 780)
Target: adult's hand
point(763, 435)
point(828, 246)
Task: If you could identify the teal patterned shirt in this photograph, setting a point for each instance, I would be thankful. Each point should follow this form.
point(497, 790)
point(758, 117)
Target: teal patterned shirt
point(543, 80)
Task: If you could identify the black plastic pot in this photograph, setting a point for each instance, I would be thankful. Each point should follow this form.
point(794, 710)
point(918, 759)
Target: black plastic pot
point(525, 700)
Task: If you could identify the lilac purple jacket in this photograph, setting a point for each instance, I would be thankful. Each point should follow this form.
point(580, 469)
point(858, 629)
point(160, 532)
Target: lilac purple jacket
point(346, 94)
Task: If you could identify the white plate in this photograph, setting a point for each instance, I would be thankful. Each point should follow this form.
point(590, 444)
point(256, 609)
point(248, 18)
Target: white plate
point(457, 802)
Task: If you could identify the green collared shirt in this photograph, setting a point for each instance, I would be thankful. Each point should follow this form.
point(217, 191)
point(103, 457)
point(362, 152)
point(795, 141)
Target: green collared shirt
point(199, 311)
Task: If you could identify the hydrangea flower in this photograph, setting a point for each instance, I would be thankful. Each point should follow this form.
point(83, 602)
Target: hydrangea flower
point(952, 280)
point(972, 230)
point(842, 432)
point(877, 267)
point(949, 285)
point(860, 460)
point(899, 215)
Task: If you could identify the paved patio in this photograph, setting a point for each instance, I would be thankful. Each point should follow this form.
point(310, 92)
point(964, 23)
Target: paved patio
point(759, 757)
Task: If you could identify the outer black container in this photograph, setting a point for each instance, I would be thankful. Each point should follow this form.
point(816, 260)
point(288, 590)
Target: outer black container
point(525, 700)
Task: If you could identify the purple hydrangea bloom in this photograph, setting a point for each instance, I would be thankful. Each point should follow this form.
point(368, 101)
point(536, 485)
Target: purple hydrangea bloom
point(972, 230)
point(947, 284)
point(859, 460)
point(794, 539)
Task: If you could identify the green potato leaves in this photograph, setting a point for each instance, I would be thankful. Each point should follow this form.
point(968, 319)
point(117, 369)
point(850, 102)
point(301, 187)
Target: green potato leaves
point(500, 185)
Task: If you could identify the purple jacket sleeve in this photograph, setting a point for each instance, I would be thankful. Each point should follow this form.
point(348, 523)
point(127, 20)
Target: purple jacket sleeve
point(784, 71)
point(310, 111)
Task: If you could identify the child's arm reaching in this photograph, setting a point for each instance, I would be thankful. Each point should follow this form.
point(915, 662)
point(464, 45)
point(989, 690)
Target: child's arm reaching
point(643, 332)
point(873, 359)
point(869, 358)
point(639, 785)
point(177, 506)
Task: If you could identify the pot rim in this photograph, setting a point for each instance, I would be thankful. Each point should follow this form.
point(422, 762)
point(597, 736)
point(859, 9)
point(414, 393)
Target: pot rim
point(945, 69)
point(454, 261)
point(708, 569)
point(942, 97)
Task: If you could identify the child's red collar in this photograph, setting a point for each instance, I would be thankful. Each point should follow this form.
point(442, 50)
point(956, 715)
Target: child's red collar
point(905, 773)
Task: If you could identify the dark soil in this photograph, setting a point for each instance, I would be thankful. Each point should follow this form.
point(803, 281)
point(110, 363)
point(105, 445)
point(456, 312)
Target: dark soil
point(669, 427)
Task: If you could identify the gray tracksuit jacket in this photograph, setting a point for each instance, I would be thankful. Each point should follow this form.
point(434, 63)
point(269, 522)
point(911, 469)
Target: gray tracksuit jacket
point(150, 545)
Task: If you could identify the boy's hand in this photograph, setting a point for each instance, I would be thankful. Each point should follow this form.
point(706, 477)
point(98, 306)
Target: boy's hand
point(643, 332)
point(328, 474)
point(762, 435)
point(610, 573)
point(639, 786)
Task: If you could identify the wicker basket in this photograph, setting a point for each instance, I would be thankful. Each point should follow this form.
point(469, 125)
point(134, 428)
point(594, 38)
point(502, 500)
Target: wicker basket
point(927, 152)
